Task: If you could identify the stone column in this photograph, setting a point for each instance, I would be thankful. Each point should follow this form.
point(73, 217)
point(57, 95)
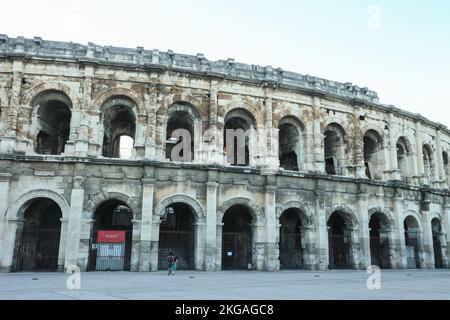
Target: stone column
point(308, 247)
point(213, 137)
point(148, 185)
point(355, 248)
point(13, 229)
point(393, 167)
point(319, 158)
point(321, 235)
point(400, 230)
point(364, 233)
point(14, 106)
point(199, 245)
point(74, 223)
point(135, 245)
point(394, 262)
point(62, 245)
point(272, 252)
point(441, 176)
point(4, 191)
point(419, 156)
point(358, 145)
point(443, 241)
point(154, 244)
point(422, 254)
point(151, 102)
point(446, 229)
point(211, 258)
point(86, 231)
point(258, 246)
point(269, 151)
point(219, 245)
point(428, 250)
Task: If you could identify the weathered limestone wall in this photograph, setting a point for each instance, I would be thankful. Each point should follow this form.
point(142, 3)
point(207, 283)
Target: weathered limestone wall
point(158, 84)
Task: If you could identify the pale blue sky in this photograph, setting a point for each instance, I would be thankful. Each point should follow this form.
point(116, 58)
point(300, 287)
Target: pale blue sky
point(406, 60)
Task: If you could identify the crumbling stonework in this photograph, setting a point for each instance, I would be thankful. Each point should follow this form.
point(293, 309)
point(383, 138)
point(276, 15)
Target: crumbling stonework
point(368, 182)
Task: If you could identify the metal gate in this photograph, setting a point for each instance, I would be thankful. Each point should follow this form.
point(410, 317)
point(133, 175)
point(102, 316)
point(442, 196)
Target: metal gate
point(110, 257)
point(37, 250)
point(438, 263)
point(181, 244)
point(290, 251)
point(379, 251)
point(411, 258)
point(339, 252)
point(236, 251)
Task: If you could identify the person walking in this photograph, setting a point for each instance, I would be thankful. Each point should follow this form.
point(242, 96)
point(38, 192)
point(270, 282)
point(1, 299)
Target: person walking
point(170, 261)
point(174, 265)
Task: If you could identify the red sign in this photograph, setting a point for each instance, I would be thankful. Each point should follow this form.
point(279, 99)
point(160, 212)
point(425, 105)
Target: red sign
point(111, 237)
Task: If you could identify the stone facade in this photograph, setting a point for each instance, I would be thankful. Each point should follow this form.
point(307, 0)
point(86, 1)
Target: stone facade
point(344, 153)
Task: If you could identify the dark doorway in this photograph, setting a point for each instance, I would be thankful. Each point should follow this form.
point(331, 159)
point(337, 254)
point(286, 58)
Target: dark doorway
point(338, 242)
point(37, 243)
point(437, 247)
point(176, 235)
point(112, 215)
point(412, 242)
point(379, 243)
point(237, 239)
point(290, 240)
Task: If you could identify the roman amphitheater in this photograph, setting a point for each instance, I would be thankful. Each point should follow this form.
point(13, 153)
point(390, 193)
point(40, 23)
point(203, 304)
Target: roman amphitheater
point(331, 178)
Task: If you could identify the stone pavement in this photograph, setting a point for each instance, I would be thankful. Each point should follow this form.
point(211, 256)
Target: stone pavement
point(233, 285)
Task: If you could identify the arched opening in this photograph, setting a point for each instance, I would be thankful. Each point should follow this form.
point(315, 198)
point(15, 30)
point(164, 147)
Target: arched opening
point(237, 238)
point(334, 148)
point(379, 241)
point(291, 252)
point(446, 166)
point(53, 122)
point(119, 120)
point(403, 155)
point(339, 241)
point(412, 240)
point(437, 245)
point(428, 163)
point(373, 155)
point(176, 235)
point(111, 237)
point(180, 120)
point(291, 144)
point(239, 124)
point(37, 242)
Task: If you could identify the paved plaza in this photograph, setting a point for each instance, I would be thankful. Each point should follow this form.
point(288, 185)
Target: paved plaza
point(408, 284)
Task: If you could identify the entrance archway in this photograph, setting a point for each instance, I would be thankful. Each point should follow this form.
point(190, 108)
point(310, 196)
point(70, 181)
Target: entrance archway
point(379, 241)
point(412, 242)
point(38, 241)
point(339, 241)
point(113, 218)
point(437, 244)
point(237, 238)
point(291, 252)
point(176, 235)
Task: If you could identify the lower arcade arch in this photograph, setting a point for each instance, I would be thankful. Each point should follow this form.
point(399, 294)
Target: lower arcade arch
point(237, 238)
point(412, 242)
point(37, 244)
point(177, 236)
point(292, 239)
point(379, 241)
point(339, 241)
point(111, 237)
